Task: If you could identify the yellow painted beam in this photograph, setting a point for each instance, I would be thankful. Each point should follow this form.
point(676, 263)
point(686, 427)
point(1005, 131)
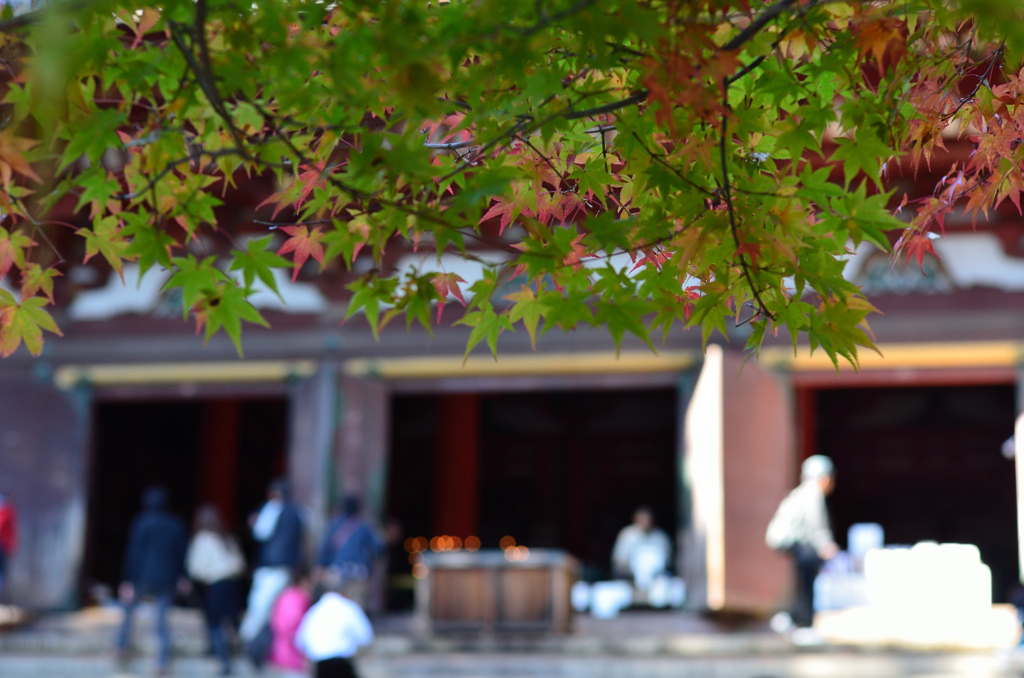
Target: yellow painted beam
point(939, 355)
point(69, 376)
point(522, 365)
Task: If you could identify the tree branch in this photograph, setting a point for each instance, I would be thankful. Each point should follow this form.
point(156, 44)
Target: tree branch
point(757, 24)
point(727, 191)
point(607, 108)
point(548, 20)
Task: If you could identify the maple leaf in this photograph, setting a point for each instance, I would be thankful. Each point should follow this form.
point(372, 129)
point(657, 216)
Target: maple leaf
point(23, 322)
point(577, 253)
point(195, 278)
point(916, 245)
point(884, 39)
point(528, 309)
point(653, 258)
point(226, 306)
point(106, 237)
point(12, 158)
point(12, 249)
point(445, 284)
point(305, 244)
point(750, 249)
point(34, 278)
point(508, 209)
point(258, 262)
point(312, 178)
point(145, 23)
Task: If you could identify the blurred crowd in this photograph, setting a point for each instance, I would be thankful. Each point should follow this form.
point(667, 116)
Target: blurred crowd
point(301, 620)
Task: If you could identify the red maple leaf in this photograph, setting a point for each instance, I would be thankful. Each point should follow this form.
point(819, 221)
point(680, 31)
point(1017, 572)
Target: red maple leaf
point(651, 257)
point(312, 177)
point(917, 245)
point(577, 253)
point(305, 244)
point(445, 284)
point(506, 209)
point(752, 250)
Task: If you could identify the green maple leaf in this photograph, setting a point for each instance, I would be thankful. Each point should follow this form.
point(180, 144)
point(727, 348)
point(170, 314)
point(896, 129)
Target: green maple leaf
point(106, 238)
point(368, 296)
point(527, 308)
point(863, 154)
point(35, 278)
point(12, 249)
point(487, 325)
point(23, 322)
point(149, 244)
point(622, 315)
point(226, 307)
point(93, 138)
point(258, 262)
point(195, 277)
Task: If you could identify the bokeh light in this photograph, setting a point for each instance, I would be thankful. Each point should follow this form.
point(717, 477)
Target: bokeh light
point(456, 543)
point(435, 544)
point(421, 543)
point(507, 542)
point(419, 570)
point(415, 557)
point(410, 545)
point(472, 543)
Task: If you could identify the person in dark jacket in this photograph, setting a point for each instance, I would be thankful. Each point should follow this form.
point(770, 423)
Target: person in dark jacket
point(153, 567)
point(349, 549)
point(278, 529)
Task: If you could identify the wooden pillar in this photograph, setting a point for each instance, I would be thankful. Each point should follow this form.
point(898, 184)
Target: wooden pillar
point(219, 457)
point(44, 443)
point(457, 466)
point(361, 460)
point(807, 422)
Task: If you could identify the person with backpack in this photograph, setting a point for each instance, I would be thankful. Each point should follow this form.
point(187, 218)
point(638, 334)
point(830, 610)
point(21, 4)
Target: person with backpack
point(349, 549)
point(801, 528)
point(8, 535)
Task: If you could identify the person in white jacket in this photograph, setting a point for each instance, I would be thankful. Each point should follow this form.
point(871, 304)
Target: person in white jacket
point(641, 550)
point(215, 562)
point(801, 528)
point(331, 632)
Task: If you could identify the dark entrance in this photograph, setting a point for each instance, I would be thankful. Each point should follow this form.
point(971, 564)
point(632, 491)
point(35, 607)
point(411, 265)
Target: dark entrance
point(223, 451)
point(552, 469)
point(925, 463)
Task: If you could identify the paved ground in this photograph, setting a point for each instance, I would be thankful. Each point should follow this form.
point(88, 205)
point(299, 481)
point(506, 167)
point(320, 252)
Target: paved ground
point(636, 645)
point(793, 665)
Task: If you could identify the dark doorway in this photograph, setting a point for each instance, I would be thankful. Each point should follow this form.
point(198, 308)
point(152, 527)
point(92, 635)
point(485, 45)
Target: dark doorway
point(925, 463)
point(222, 451)
point(553, 469)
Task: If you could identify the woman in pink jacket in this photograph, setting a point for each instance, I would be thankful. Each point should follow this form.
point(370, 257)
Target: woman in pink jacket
point(285, 618)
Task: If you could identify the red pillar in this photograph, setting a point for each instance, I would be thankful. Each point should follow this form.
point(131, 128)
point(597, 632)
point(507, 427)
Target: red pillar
point(807, 422)
point(457, 466)
point(218, 463)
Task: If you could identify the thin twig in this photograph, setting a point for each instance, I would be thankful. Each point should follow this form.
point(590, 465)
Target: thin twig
point(727, 192)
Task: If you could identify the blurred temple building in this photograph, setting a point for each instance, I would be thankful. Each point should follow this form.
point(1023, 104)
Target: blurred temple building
point(554, 447)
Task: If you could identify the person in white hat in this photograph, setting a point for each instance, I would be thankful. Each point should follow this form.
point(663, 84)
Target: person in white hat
point(801, 528)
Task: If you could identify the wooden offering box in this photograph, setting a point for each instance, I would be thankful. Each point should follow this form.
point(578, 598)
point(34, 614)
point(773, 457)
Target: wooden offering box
point(485, 592)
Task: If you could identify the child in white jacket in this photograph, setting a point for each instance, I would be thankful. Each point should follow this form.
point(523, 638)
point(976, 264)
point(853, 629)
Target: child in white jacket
point(331, 632)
